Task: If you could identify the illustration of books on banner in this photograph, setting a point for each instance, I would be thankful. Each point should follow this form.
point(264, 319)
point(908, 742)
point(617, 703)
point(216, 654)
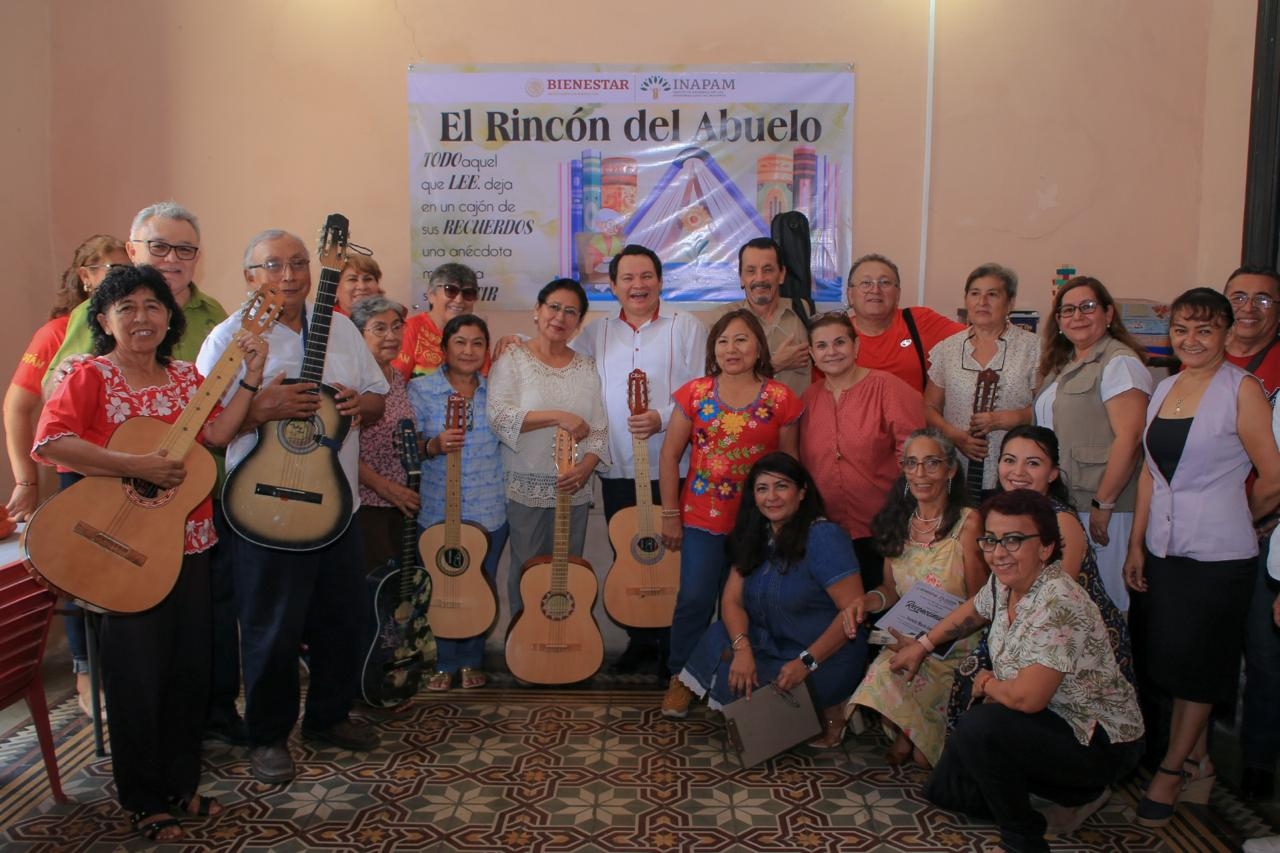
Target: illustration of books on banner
point(920, 609)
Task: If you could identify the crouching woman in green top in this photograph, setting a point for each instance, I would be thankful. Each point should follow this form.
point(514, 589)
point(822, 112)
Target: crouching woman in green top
point(1056, 717)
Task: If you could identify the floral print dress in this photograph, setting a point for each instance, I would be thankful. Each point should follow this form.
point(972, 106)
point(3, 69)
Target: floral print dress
point(919, 707)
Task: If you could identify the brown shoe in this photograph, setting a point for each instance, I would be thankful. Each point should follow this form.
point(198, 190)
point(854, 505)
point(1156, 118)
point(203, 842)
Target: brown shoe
point(272, 764)
point(676, 701)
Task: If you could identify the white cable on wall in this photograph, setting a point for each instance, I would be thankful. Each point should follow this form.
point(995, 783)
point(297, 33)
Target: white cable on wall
point(928, 153)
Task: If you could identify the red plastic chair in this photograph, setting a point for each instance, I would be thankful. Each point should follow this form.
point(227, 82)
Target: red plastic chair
point(26, 609)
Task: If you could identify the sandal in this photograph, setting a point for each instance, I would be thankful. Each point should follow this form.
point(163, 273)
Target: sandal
point(155, 826)
point(197, 805)
point(440, 681)
point(472, 678)
point(1200, 778)
point(1155, 814)
point(832, 734)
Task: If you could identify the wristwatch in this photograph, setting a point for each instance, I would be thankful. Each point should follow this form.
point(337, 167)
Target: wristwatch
point(1097, 504)
point(807, 660)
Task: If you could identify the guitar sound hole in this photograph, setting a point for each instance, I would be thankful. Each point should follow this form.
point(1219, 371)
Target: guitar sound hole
point(646, 550)
point(300, 435)
point(146, 493)
point(452, 561)
point(557, 606)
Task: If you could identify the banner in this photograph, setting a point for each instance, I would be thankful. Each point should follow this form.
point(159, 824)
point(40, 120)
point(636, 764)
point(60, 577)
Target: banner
point(528, 173)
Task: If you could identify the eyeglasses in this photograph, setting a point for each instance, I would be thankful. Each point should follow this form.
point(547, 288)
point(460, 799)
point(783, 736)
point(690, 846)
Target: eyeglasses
point(874, 283)
point(931, 464)
point(107, 267)
point(1260, 300)
point(1066, 312)
point(161, 249)
point(1011, 542)
point(556, 308)
point(382, 330)
point(275, 267)
point(451, 291)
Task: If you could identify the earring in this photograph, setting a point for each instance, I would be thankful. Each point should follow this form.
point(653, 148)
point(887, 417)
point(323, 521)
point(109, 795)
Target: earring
point(906, 489)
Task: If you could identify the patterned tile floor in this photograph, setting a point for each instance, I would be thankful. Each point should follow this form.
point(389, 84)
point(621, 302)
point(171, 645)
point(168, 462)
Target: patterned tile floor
point(506, 769)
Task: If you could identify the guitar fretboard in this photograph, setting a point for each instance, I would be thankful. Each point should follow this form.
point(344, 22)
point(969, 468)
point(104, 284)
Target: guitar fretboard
point(644, 489)
point(318, 329)
point(409, 541)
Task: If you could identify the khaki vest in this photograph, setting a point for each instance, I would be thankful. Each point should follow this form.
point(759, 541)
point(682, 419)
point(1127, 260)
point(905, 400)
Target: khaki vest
point(1083, 428)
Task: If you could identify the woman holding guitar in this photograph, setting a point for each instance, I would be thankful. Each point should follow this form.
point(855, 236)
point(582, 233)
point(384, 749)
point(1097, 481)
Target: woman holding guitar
point(155, 663)
point(481, 493)
point(533, 389)
point(731, 417)
point(981, 379)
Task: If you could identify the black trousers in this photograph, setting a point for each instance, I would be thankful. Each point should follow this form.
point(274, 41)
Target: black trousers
point(284, 597)
point(997, 757)
point(225, 686)
point(618, 493)
point(155, 671)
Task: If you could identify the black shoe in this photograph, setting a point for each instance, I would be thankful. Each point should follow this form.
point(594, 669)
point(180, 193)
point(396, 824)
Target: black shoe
point(272, 764)
point(1257, 783)
point(631, 660)
point(226, 730)
point(345, 735)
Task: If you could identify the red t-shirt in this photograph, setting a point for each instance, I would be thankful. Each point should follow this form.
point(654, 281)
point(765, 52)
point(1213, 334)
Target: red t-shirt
point(1268, 372)
point(726, 442)
point(35, 361)
point(421, 352)
point(893, 351)
point(94, 399)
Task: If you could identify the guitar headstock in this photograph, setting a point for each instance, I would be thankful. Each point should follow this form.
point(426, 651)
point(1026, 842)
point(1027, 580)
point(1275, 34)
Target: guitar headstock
point(984, 396)
point(457, 412)
point(566, 451)
point(261, 309)
point(637, 392)
point(332, 250)
point(406, 441)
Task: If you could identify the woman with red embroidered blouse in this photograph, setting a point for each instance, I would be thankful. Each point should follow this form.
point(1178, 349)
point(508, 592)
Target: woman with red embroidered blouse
point(732, 416)
point(156, 663)
point(855, 422)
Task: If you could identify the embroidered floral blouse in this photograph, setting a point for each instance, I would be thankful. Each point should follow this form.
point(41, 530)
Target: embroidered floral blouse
point(1056, 625)
point(94, 399)
point(726, 442)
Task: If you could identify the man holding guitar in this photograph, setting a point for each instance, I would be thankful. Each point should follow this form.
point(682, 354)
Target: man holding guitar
point(286, 596)
point(670, 347)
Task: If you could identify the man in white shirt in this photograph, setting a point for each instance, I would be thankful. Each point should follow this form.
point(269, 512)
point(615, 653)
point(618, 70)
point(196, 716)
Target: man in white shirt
point(284, 597)
point(670, 347)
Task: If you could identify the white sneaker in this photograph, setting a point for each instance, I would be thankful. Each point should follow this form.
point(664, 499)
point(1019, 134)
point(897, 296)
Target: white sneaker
point(1270, 844)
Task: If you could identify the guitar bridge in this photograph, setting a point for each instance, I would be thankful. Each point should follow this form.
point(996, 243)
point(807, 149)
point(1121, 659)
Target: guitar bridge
point(285, 493)
point(107, 542)
point(556, 647)
point(649, 591)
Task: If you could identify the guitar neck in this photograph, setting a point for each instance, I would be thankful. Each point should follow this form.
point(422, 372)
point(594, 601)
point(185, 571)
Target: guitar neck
point(409, 543)
point(453, 499)
point(560, 549)
point(319, 326)
point(644, 489)
point(186, 428)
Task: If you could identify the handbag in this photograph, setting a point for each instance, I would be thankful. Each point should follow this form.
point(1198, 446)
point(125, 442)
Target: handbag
point(771, 722)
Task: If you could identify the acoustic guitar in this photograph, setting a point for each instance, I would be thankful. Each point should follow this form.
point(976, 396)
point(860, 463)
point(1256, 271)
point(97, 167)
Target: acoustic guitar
point(463, 603)
point(400, 641)
point(290, 491)
point(984, 400)
point(555, 638)
point(115, 544)
point(640, 589)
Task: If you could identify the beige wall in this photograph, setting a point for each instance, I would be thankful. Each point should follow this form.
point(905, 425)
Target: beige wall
point(1110, 135)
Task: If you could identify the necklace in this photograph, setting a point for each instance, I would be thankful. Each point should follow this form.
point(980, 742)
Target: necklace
point(1177, 406)
point(930, 522)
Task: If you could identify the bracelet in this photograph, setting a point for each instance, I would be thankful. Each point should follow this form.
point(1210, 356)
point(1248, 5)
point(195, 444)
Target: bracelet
point(426, 447)
point(1097, 504)
point(741, 638)
point(884, 602)
point(923, 639)
point(671, 513)
point(25, 483)
point(252, 389)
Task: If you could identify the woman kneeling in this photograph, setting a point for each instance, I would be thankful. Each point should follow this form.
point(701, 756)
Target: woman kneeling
point(1058, 719)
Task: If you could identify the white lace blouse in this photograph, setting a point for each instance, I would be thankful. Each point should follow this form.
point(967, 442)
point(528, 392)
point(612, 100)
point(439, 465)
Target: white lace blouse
point(518, 384)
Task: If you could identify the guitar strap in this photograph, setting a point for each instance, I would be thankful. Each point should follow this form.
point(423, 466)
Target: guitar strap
point(915, 341)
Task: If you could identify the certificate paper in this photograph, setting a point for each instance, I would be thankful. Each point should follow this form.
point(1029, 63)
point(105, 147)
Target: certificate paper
point(920, 609)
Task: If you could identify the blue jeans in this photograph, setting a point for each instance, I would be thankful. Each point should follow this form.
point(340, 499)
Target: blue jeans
point(452, 655)
point(704, 567)
point(1260, 730)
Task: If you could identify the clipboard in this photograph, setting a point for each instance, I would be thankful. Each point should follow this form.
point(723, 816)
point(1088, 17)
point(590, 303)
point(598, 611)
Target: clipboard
point(771, 722)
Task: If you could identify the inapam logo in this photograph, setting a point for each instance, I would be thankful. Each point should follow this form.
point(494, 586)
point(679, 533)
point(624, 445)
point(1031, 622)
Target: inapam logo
point(655, 85)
